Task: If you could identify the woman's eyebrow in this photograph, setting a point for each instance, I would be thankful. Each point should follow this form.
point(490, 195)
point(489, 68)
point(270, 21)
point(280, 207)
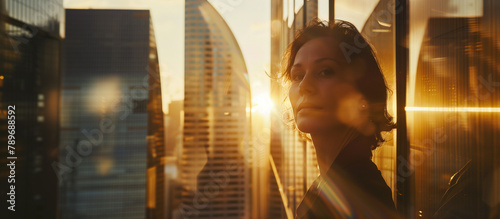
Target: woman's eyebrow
point(326, 59)
point(298, 65)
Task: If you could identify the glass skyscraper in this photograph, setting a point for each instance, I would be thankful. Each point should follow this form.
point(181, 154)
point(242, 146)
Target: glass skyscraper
point(112, 136)
point(215, 162)
point(30, 72)
point(156, 160)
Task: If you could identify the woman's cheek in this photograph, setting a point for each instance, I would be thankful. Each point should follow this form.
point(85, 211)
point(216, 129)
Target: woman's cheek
point(293, 96)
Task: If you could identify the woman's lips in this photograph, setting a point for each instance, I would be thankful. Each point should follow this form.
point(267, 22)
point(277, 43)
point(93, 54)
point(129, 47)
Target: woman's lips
point(307, 106)
point(308, 109)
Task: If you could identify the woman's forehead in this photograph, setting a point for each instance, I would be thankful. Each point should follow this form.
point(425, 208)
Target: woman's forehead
point(319, 48)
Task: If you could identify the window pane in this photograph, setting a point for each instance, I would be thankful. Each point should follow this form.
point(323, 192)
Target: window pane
point(452, 120)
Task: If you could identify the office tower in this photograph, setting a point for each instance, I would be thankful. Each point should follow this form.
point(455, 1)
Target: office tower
point(294, 157)
point(111, 122)
point(173, 145)
point(215, 155)
point(157, 162)
point(30, 72)
point(173, 122)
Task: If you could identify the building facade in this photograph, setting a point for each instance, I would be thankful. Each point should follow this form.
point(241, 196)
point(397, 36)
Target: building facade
point(156, 160)
point(112, 136)
point(30, 74)
point(215, 162)
point(173, 146)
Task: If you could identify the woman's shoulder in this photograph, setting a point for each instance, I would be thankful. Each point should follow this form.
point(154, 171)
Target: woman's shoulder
point(363, 188)
point(366, 174)
point(353, 187)
point(366, 177)
point(341, 194)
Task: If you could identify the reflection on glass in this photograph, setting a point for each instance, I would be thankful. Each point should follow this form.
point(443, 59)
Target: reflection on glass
point(452, 102)
point(453, 110)
point(376, 21)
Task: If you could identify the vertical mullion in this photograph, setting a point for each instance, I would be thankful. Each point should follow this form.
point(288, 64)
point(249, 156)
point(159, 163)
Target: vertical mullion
point(403, 184)
point(304, 14)
point(331, 10)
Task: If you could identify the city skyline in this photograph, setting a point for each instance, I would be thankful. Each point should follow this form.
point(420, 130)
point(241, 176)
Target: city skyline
point(252, 34)
point(167, 108)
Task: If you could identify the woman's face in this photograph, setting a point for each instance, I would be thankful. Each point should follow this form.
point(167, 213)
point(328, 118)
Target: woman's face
point(323, 93)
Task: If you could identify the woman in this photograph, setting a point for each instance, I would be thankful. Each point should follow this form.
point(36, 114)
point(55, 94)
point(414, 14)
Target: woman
point(338, 96)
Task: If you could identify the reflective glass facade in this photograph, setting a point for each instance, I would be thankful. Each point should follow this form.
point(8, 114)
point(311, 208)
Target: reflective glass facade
point(215, 163)
point(30, 72)
point(173, 147)
point(453, 109)
point(451, 106)
point(111, 123)
point(47, 15)
point(156, 162)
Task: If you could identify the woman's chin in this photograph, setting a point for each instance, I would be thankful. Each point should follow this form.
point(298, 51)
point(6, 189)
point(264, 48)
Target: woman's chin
point(311, 126)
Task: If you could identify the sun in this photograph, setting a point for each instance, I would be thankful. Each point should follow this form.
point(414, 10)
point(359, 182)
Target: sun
point(262, 104)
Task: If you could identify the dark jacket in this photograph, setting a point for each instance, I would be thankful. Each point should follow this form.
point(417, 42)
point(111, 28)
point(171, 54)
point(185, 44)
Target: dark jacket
point(466, 196)
point(352, 188)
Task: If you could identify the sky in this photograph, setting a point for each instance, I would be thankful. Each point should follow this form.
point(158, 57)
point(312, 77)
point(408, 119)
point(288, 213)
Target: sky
point(249, 21)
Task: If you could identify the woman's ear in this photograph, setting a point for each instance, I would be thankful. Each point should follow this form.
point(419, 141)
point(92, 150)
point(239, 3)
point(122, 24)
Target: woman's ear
point(354, 111)
point(363, 105)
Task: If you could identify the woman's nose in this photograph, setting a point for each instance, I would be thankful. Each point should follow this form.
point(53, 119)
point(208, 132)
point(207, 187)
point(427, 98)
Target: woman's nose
point(306, 86)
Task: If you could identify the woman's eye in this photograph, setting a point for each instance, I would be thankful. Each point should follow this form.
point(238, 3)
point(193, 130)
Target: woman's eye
point(325, 72)
point(297, 77)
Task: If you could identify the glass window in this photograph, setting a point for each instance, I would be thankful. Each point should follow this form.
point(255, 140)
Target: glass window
point(452, 115)
point(452, 102)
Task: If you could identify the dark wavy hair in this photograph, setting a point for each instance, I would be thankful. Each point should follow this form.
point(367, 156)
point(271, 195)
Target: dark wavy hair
point(372, 83)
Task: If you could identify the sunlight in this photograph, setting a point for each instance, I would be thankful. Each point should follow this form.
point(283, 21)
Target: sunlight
point(262, 104)
point(104, 94)
point(455, 109)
